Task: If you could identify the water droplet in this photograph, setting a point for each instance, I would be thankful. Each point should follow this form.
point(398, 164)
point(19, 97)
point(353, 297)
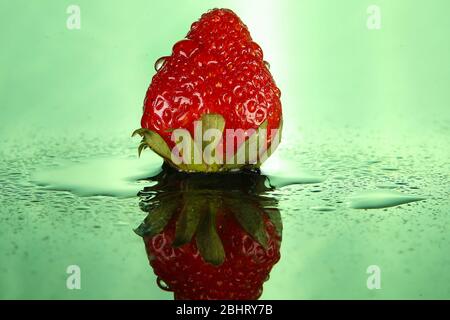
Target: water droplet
point(159, 63)
point(381, 199)
point(323, 208)
point(387, 186)
point(279, 181)
point(116, 177)
point(162, 285)
point(122, 223)
point(282, 172)
point(389, 169)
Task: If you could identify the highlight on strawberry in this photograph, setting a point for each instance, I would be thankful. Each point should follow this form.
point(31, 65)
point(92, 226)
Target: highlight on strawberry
point(214, 238)
point(213, 104)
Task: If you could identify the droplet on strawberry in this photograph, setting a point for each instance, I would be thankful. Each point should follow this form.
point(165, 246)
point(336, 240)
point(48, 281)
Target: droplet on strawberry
point(185, 48)
point(217, 70)
point(215, 238)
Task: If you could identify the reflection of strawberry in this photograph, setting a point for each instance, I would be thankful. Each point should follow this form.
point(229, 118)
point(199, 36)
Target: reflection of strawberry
point(217, 70)
point(211, 241)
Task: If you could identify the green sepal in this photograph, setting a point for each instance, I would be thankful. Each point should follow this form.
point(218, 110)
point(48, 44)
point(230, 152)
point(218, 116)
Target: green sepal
point(188, 220)
point(141, 147)
point(250, 219)
point(243, 150)
point(269, 150)
point(139, 131)
point(275, 217)
point(154, 141)
point(211, 121)
point(208, 241)
point(157, 219)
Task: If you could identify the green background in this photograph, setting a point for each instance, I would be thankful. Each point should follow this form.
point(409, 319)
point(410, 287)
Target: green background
point(363, 108)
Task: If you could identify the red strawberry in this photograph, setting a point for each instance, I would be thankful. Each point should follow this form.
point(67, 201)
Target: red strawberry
point(211, 241)
point(217, 70)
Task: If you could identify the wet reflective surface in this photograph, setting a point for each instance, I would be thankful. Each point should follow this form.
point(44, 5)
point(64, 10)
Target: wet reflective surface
point(327, 245)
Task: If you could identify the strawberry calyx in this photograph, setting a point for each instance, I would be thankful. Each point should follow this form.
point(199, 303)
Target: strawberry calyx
point(209, 149)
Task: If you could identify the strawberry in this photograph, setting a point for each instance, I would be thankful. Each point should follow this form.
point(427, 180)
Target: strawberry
point(216, 76)
point(211, 240)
